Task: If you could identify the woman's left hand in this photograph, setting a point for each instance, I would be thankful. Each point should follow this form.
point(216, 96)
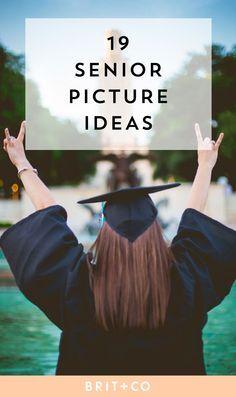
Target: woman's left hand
point(14, 146)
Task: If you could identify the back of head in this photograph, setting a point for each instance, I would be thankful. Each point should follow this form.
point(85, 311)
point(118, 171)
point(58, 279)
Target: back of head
point(131, 276)
point(130, 280)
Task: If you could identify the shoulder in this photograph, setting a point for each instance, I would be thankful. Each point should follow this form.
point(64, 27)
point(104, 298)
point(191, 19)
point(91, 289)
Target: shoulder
point(193, 217)
point(55, 211)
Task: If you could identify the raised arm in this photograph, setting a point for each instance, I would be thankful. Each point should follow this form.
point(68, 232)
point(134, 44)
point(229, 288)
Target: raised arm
point(39, 194)
point(207, 157)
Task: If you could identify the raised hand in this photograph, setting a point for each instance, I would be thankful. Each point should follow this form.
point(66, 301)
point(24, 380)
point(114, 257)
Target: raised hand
point(207, 148)
point(14, 146)
point(207, 156)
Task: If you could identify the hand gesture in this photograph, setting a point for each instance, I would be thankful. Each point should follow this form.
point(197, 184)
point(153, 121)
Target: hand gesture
point(207, 148)
point(14, 146)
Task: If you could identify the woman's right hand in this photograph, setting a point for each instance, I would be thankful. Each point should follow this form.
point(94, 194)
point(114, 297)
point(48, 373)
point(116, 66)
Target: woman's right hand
point(15, 148)
point(207, 149)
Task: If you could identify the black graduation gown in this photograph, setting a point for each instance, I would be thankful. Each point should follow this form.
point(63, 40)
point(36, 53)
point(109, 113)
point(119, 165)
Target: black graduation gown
point(50, 269)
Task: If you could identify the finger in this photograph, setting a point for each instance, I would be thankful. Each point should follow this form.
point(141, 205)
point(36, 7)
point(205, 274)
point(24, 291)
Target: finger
point(198, 133)
point(7, 134)
point(219, 140)
point(207, 144)
point(21, 134)
point(5, 144)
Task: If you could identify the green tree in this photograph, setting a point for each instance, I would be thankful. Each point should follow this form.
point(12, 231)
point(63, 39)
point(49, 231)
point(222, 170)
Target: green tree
point(11, 107)
point(56, 167)
point(181, 164)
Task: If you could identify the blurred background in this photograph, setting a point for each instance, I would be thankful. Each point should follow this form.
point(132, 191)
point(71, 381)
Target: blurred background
point(29, 341)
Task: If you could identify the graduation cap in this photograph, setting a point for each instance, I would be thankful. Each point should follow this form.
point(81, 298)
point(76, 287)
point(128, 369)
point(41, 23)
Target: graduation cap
point(129, 211)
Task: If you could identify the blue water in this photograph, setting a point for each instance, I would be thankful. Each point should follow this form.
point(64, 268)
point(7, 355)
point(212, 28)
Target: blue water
point(29, 341)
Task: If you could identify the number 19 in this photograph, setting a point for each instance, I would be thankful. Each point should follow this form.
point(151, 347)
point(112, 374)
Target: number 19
point(123, 41)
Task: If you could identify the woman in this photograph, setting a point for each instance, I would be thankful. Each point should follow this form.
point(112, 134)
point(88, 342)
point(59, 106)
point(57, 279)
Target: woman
point(131, 305)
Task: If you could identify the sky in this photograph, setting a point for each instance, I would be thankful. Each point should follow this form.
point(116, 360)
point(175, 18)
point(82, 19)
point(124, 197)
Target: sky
point(14, 12)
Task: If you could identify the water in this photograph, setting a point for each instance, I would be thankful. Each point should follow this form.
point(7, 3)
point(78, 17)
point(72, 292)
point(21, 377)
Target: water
point(29, 341)
point(220, 337)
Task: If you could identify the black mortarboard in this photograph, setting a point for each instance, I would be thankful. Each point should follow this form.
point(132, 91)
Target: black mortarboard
point(129, 211)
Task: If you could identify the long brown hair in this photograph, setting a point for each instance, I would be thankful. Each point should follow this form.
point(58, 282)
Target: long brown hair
point(130, 281)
